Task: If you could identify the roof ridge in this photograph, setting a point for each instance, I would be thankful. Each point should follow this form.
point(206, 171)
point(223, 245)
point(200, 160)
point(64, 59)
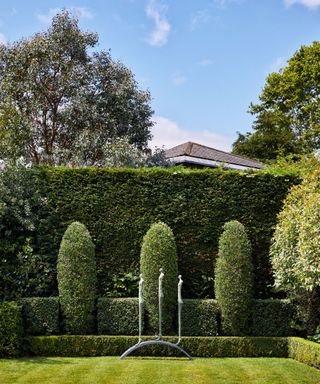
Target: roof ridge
point(227, 153)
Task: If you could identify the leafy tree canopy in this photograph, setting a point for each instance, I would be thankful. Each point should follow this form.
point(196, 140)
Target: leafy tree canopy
point(60, 103)
point(288, 114)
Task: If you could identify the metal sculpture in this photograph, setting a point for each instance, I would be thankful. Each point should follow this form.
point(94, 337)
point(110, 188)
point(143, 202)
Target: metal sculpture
point(158, 341)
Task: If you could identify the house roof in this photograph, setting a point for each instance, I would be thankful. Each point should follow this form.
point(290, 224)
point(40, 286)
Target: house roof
point(190, 152)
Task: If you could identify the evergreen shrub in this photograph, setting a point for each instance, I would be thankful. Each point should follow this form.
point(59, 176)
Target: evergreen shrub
point(199, 317)
point(118, 316)
point(10, 329)
point(77, 279)
point(272, 317)
point(40, 315)
point(159, 251)
point(69, 345)
point(234, 279)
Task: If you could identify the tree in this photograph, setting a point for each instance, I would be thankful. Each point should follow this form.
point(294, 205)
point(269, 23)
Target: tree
point(159, 251)
point(59, 104)
point(288, 114)
point(295, 248)
point(77, 279)
point(234, 279)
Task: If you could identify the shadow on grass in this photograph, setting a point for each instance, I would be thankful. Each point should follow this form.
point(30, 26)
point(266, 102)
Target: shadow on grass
point(44, 360)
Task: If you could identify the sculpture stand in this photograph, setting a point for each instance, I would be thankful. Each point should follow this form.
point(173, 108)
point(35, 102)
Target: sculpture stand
point(158, 341)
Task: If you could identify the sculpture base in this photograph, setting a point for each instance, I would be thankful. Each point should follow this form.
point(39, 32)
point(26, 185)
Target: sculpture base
point(154, 342)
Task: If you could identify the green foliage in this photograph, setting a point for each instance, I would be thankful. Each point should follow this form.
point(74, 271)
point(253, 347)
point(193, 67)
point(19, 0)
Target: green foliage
point(76, 100)
point(118, 316)
point(287, 116)
point(159, 251)
point(124, 284)
point(199, 318)
point(305, 351)
point(234, 279)
point(77, 279)
point(10, 329)
point(22, 271)
point(272, 318)
point(40, 315)
point(119, 205)
point(196, 346)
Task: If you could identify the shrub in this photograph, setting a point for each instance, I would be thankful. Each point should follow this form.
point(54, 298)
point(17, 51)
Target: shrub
point(119, 205)
point(77, 279)
point(272, 318)
point(305, 351)
point(199, 318)
point(295, 247)
point(234, 279)
point(195, 346)
point(159, 251)
point(118, 316)
point(40, 315)
point(10, 329)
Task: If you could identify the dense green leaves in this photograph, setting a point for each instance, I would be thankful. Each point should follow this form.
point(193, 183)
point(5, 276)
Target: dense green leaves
point(234, 279)
point(77, 279)
point(59, 104)
point(159, 251)
point(10, 329)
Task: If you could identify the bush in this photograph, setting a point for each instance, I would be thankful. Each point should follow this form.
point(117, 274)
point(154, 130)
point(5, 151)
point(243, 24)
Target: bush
point(272, 318)
point(40, 315)
point(234, 279)
point(10, 329)
point(307, 352)
point(159, 251)
point(199, 318)
point(77, 279)
point(118, 316)
point(195, 346)
point(118, 206)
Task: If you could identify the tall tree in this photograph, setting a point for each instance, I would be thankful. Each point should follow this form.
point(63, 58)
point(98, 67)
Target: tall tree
point(288, 114)
point(59, 104)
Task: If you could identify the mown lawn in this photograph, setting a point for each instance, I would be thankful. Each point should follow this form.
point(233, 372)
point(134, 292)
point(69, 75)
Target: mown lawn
point(111, 370)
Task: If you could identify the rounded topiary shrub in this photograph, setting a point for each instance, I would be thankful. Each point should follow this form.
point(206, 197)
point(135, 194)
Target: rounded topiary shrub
point(159, 251)
point(77, 279)
point(234, 279)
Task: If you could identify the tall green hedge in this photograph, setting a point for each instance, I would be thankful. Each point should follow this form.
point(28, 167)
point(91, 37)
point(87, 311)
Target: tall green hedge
point(234, 279)
point(77, 279)
point(119, 205)
point(159, 251)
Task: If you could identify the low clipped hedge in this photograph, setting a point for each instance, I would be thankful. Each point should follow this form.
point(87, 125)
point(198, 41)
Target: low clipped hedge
point(199, 317)
point(272, 318)
point(305, 351)
point(118, 316)
point(10, 329)
point(79, 345)
point(40, 315)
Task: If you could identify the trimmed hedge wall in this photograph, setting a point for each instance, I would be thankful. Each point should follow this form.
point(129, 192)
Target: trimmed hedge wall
point(40, 315)
point(10, 329)
point(195, 346)
point(199, 318)
point(272, 318)
point(119, 205)
point(305, 351)
point(118, 316)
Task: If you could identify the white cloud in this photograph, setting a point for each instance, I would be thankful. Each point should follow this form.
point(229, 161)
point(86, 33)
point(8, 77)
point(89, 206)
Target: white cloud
point(313, 4)
point(167, 133)
point(80, 12)
point(178, 78)
point(205, 62)
point(3, 39)
point(200, 17)
point(159, 34)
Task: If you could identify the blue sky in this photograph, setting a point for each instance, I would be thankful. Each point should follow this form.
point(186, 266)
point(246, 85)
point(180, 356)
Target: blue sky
point(203, 61)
